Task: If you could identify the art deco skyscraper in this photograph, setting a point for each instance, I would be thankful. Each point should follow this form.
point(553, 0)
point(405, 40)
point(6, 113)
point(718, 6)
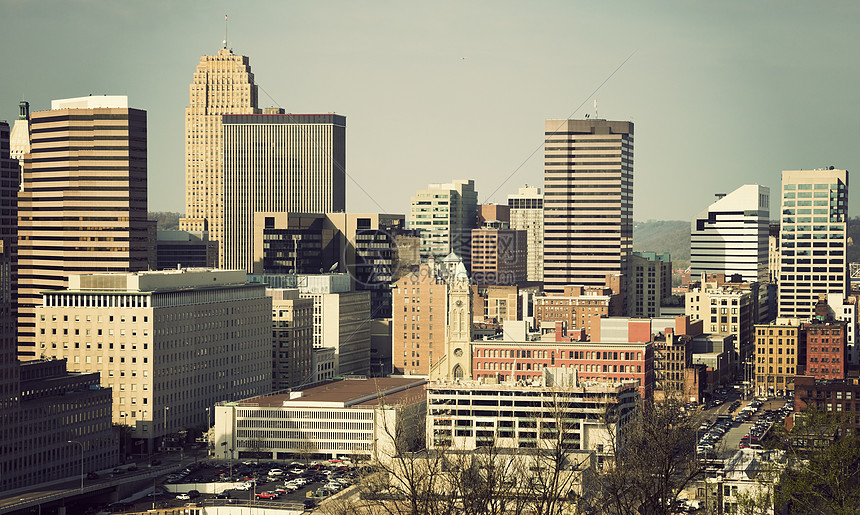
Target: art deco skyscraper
point(588, 201)
point(730, 236)
point(223, 84)
point(813, 239)
point(82, 204)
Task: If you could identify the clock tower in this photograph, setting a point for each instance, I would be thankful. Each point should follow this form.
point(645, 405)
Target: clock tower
point(458, 337)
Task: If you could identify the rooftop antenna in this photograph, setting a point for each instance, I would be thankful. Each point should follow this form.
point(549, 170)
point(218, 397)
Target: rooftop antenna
point(595, 109)
point(225, 32)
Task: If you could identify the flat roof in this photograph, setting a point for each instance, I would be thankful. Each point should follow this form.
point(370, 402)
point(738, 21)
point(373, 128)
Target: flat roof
point(348, 393)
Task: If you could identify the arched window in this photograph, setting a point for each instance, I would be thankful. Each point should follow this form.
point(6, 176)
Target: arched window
point(458, 372)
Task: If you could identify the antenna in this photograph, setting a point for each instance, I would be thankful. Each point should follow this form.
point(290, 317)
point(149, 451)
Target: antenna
point(595, 108)
point(225, 31)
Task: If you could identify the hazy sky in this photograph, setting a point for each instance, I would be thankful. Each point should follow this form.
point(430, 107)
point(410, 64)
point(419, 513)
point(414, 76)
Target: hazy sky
point(721, 93)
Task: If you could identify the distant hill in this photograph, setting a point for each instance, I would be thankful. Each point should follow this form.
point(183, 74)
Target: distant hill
point(167, 221)
point(672, 236)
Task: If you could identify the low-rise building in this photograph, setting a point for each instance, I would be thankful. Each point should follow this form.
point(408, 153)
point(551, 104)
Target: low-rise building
point(578, 307)
point(340, 419)
point(779, 356)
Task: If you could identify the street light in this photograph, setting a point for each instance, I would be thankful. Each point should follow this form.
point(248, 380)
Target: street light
point(82, 461)
point(164, 438)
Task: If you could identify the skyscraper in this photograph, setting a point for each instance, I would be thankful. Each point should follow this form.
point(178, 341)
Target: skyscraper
point(82, 207)
point(527, 215)
point(588, 201)
point(731, 235)
point(445, 214)
point(9, 173)
point(813, 239)
point(278, 162)
point(223, 84)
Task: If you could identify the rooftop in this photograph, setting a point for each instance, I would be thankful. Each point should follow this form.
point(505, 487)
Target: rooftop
point(347, 393)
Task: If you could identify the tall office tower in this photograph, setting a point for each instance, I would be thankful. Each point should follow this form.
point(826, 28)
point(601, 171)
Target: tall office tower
point(445, 214)
point(292, 338)
point(773, 253)
point(527, 215)
point(8, 244)
point(82, 205)
point(731, 236)
point(813, 239)
point(588, 201)
point(278, 163)
point(223, 84)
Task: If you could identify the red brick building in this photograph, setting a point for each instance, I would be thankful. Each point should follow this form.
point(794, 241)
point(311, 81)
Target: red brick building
point(508, 360)
point(840, 397)
point(577, 308)
point(826, 350)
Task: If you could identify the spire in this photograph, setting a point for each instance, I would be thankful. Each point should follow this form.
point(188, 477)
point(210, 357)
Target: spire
point(23, 110)
point(225, 32)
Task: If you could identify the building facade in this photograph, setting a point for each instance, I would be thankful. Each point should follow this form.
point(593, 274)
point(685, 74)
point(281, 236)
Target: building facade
point(527, 215)
point(813, 239)
point(445, 214)
point(499, 256)
point(168, 344)
point(419, 304)
point(578, 307)
point(731, 235)
point(342, 419)
point(649, 281)
point(278, 163)
point(82, 204)
point(222, 84)
point(465, 416)
point(292, 339)
point(588, 201)
point(779, 356)
point(826, 350)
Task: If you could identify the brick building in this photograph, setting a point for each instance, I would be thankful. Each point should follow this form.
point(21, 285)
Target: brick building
point(826, 350)
point(577, 307)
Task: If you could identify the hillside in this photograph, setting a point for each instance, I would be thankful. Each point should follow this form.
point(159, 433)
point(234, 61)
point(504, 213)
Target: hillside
point(167, 221)
point(672, 236)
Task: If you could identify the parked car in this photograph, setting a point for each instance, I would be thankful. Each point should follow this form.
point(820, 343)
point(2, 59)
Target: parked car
point(183, 497)
point(92, 475)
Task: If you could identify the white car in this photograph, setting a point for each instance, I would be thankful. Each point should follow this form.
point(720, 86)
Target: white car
point(296, 471)
point(243, 486)
point(276, 472)
point(183, 497)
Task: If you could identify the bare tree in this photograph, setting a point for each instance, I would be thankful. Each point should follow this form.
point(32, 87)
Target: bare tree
point(653, 460)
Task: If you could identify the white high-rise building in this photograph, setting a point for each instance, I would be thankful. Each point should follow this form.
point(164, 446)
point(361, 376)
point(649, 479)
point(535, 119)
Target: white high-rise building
point(445, 214)
point(813, 239)
point(588, 201)
point(731, 235)
point(527, 215)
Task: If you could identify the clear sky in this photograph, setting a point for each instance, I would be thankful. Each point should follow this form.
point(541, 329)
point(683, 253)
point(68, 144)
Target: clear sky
point(721, 93)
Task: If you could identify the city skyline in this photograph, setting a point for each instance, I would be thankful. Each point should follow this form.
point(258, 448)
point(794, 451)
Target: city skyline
point(765, 90)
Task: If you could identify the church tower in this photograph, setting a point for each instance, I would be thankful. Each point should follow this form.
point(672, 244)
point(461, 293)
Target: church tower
point(459, 335)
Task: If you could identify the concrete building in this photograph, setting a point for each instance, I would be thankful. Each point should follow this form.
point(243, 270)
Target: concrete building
point(731, 235)
point(418, 315)
point(588, 201)
point(293, 243)
point(813, 239)
point(527, 215)
point(773, 252)
point(493, 214)
point(341, 316)
point(649, 281)
point(499, 256)
point(559, 409)
point(292, 339)
point(82, 204)
point(62, 427)
point(278, 163)
point(183, 249)
point(779, 356)
point(845, 309)
point(726, 308)
point(222, 84)
point(169, 344)
point(445, 214)
point(350, 418)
